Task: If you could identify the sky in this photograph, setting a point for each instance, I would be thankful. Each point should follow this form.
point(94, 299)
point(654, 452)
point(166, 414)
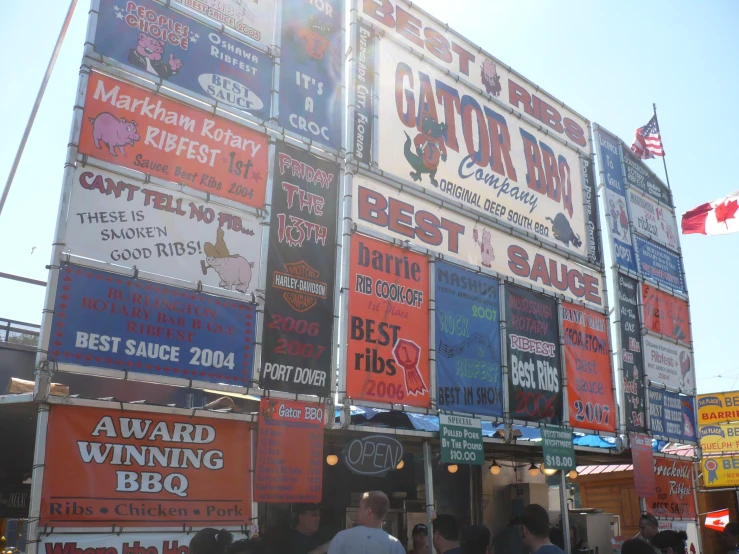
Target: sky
point(609, 61)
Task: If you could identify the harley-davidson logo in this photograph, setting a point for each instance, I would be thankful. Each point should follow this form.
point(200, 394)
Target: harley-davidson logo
point(300, 281)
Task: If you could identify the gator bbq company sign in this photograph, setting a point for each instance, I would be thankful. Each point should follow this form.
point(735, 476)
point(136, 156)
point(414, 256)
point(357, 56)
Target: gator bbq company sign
point(441, 132)
point(142, 468)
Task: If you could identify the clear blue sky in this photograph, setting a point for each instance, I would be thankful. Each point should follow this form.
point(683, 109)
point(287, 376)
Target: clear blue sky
point(608, 60)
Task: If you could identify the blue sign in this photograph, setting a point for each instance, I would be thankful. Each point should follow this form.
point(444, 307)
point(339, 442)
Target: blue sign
point(619, 230)
point(659, 264)
point(311, 70)
point(176, 48)
point(116, 322)
point(672, 415)
point(468, 374)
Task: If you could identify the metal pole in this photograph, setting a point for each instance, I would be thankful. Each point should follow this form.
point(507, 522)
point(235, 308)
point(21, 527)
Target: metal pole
point(664, 160)
point(37, 476)
point(429, 484)
point(36, 106)
point(564, 510)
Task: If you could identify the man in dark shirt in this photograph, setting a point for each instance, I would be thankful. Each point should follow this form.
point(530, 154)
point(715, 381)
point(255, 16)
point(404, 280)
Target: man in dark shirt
point(304, 536)
point(446, 534)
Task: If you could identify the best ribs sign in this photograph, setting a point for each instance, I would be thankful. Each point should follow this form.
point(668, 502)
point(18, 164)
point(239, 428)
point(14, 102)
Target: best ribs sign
point(446, 124)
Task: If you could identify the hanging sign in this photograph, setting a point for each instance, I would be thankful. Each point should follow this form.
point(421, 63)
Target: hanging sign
point(595, 252)
point(639, 177)
point(652, 220)
point(182, 51)
point(289, 451)
point(672, 415)
point(666, 315)
point(721, 472)
point(133, 127)
point(668, 363)
point(117, 543)
point(642, 457)
point(718, 407)
point(387, 350)
point(311, 64)
point(461, 440)
point(659, 264)
point(374, 455)
point(692, 546)
point(631, 360)
point(673, 494)
point(125, 222)
point(588, 363)
point(116, 322)
point(558, 448)
point(535, 379)
point(719, 438)
point(468, 373)
point(364, 86)
point(301, 267)
point(114, 467)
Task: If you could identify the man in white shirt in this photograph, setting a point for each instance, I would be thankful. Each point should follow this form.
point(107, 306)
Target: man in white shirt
point(368, 537)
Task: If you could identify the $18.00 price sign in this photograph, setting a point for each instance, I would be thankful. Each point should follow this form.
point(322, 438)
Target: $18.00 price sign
point(559, 452)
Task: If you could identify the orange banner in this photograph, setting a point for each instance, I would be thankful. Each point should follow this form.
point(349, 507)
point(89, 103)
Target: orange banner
point(588, 362)
point(665, 314)
point(387, 350)
point(674, 495)
point(130, 126)
point(110, 467)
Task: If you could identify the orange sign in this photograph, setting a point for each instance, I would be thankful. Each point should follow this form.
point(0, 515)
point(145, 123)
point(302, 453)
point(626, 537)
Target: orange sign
point(673, 494)
point(665, 314)
point(110, 467)
point(130, 126)
point(588, 362)
point(387, 350)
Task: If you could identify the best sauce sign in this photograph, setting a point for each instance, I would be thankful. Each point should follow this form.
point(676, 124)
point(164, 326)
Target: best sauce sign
point(387, 352)
point(129, 126)
point(115, 467)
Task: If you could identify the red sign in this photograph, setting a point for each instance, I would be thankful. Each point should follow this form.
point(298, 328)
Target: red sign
point(665, 314)
point(642, 457)
point(130, 126)
point(673, 494)
point(588, 362)
point(289, 451)
point(112, 467)
point(387, 350)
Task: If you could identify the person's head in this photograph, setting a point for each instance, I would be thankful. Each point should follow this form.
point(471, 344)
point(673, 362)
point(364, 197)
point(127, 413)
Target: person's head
point(446, 532)
point(373, 508)
point(648, 526)
point(475, 539)
point(730, 536)
point(420, 536)
point(670, 542)
point(308, 517)
point(534, 526)
point(246, 546)
point(637, 546)
point(210, 541)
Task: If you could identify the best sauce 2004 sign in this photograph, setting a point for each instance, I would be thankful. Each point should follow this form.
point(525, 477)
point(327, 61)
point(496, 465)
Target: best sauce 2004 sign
point(387, 351)
point(111, 467)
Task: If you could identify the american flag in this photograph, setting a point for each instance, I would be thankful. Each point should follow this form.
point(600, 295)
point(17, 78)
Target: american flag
point(647, 142)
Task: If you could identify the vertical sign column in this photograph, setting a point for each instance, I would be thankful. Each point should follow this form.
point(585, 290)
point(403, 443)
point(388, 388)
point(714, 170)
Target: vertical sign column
point(299, 300)
point(631, 353)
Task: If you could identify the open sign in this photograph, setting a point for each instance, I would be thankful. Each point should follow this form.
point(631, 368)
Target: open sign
point(373, 455)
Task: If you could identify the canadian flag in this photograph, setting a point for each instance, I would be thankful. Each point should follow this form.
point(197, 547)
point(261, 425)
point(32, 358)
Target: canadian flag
point(717, 520)
point(713, 218)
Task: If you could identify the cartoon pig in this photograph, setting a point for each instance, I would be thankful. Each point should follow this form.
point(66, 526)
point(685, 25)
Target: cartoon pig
point(234, 270)
point(148, 56)
point(116, 133)
point(490, 78)
point(487, 254)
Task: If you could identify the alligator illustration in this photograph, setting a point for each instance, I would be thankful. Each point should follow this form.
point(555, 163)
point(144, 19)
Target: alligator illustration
point(430, 148)
point(563, 232)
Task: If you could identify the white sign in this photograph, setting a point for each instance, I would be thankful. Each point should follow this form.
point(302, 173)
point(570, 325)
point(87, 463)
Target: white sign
point(112, 543)
point(403, 216)
point(253, 18)
point(668, 363)
point(118, 220)
point(692, 546)
point(652, 220)
point(452, 140)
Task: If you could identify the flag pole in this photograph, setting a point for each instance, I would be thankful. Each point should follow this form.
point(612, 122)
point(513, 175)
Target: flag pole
point(664, 161)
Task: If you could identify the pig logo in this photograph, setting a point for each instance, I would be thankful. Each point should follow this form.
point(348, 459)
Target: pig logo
point(234, 270)
point(315, 36)
point(430, 148)
point(490, 77)
point(116, 133)
point(487, 255)
point(563, 232)
point(148, 56)
point(619, 217)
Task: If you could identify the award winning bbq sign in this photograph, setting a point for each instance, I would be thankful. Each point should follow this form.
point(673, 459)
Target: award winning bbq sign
point(143, 468)
point(387, 348)
point(535, 378)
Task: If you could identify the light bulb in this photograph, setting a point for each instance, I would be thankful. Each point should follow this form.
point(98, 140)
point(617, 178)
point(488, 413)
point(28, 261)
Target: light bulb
point(533, 470)
point(452, 468)
point(572, 474)
point(546, 471)
point(332, 459)
point(495, 468)
point(400, 465)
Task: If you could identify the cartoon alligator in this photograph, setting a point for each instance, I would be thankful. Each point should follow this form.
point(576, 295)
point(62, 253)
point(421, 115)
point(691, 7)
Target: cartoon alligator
point(430, 148)
point(563, 232)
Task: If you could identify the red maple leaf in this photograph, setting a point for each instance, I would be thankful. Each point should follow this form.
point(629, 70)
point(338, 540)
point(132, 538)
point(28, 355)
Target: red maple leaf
point(725, 211)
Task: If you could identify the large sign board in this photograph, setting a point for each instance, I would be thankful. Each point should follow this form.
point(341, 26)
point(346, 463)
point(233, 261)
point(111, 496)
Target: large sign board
point(672, 415)
point(181, 50)
point(587, 354)
point(673, 495)
point(116, 543)
point(653, 220)
point(718, 407)
point(112, 467)
point(642, 456)
point(719, 438)
point(659, 264)
point(404, 216)
point(122, 221)
point(722, 471)
point(535, 374)
point(127, 125)
point(668, 363)
point(387, 357)
point(256, 20)
point(631, 358)
point(116, 322)
point(665, 314)
point(301, 267)
point(640, 177)
point(468, 372)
